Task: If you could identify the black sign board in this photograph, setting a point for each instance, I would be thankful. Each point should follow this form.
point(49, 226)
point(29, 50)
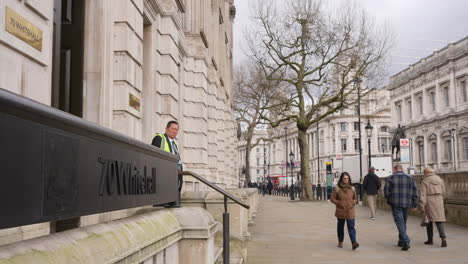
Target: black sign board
point(54, 165)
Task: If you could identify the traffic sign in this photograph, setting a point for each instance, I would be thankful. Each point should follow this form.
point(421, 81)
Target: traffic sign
point(404, 142)
point(339, 156)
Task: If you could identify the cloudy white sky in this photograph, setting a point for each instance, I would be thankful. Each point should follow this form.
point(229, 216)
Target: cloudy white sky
point(420, 26)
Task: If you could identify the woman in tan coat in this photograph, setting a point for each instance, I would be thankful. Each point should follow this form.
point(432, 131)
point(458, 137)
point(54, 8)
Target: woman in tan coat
point(431, 202)
point(344, 197)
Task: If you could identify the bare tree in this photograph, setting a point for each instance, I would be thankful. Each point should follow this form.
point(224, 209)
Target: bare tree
point(317, 52)
point(253, 92)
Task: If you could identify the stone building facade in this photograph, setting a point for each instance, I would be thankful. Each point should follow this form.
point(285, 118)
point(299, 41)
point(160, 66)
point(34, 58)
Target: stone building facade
point(131, 66)
point(336, 134)
point(430, 99)
point(145, 62)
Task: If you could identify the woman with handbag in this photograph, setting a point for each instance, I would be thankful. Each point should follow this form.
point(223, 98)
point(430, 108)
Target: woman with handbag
point(344, 197)
point(431, 203)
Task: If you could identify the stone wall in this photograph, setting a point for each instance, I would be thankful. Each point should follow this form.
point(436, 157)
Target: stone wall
point(184, 235)
point(456, 197)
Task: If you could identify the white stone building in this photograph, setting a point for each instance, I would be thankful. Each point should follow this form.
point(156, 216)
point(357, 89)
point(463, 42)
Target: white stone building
point(337, 134)
point(140, 64)
point(131, 66)
point(430, 99)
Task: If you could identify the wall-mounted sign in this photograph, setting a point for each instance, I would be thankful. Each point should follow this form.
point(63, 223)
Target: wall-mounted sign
point(23, 29)
point(54, 166)
point(134, 102)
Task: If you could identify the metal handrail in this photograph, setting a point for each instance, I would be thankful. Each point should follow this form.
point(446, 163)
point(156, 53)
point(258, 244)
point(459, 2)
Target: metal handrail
point(215, 187)
point(226, 195)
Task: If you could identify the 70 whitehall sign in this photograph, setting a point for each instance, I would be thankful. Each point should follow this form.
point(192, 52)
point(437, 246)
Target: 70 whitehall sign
point(124, 178)
point(21, 28)
point(58, 166)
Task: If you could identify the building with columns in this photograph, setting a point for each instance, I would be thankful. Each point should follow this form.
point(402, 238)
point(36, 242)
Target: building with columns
point(336, 134)
point(430, 99)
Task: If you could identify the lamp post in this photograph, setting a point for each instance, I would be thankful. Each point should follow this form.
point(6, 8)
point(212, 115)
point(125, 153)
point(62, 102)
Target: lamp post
point(358, 81)
point(452, 133)
point(286, 152)
point(369, 135)
point(291, 158)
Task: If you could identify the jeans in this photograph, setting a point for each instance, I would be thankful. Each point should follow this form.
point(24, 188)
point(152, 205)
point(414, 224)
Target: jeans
point(351, 229)
point(400, 215)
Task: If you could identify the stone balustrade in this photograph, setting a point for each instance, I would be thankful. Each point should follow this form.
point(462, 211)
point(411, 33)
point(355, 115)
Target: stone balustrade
point(456, 196)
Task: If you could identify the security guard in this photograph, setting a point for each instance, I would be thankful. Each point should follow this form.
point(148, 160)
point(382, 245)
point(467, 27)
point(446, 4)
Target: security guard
point(167, 142)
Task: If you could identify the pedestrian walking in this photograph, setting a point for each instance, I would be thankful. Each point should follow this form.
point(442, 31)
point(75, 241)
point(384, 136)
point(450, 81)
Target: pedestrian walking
point(344, 197)
point(269, 186)
point(264, 188)
point(431, 203)
point(371, 186)
point(401, 194)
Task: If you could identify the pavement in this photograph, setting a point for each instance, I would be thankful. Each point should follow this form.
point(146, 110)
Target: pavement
point(298, 232)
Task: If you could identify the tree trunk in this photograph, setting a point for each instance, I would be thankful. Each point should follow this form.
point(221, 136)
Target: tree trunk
point(306, 182)
point(248, 148)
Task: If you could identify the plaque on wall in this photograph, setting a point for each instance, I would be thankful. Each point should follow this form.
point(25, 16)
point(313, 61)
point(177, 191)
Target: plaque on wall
point(21, 28)
point(134, 101)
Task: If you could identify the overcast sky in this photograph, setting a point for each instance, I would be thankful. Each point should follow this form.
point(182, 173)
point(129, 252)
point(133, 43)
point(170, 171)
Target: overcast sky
point(420, 26)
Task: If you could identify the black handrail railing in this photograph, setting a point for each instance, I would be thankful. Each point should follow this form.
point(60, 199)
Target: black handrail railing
point(225, 214)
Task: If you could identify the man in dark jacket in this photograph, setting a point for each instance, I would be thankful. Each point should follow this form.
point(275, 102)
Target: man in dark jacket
point(269, 186)
point(371, 186)
point(401, 194)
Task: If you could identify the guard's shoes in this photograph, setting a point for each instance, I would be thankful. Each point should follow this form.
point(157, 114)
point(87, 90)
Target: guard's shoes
point(405, 247)
point(429, 242)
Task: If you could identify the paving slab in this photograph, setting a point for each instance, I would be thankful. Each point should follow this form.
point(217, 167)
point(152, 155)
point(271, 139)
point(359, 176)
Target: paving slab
point(305, 232)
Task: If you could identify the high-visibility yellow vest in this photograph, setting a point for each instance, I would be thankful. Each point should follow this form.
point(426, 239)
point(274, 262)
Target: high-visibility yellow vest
point(165, 143)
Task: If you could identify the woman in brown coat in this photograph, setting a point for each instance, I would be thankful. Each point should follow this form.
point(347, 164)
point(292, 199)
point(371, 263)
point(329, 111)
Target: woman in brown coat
point(344, 197)
point(431, 202)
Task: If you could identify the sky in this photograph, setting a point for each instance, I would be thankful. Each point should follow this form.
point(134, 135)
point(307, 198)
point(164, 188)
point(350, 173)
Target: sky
point(420, 27)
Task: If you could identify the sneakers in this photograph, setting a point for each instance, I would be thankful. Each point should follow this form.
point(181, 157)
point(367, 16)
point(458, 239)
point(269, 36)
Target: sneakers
point(340, 244)
point(355, 245)
point(405, 247)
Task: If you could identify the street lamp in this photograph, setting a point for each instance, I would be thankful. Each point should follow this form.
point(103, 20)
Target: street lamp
point(369, 135)
point(358, 81)
point(291, 158)
point(286, 152)
point(452, 133)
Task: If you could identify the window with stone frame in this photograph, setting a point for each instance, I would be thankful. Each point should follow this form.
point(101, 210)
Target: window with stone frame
point(356, 126)
point(258, 150)
point(343, 126)
point(384, 129)
point(434, 152)
point(410, 108)
point(384, 144)
point(420, 103)
point(448, 149)
point(356, 144)
point(463, 91)
point(398, 111)
point(258, 161)
point(446, 95)
point(432, 99)
point(343, 145)
point(465, 148)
